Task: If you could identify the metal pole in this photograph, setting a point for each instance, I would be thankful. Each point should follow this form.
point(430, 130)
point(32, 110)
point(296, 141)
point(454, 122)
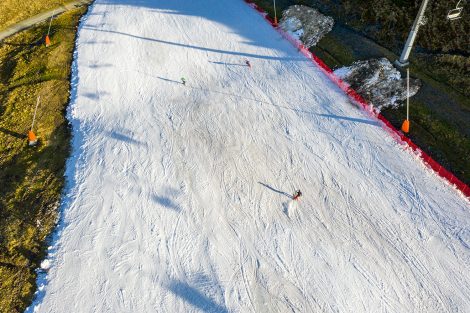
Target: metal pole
point(407, 94)
point(35, 110)
point(412, 36)
point(275, 14)
point(50, 23)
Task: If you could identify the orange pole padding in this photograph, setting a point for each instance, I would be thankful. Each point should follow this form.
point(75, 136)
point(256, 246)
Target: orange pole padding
point(48, 41)
point(405, 127)
point(275, 21)
point(32, 139)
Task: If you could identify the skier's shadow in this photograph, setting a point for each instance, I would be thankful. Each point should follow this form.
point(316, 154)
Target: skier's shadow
point(225, 63)
point(275, 190)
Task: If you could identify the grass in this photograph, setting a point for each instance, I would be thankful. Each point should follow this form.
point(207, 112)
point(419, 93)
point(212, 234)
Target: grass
point(332, 52)
point(14, 11)
point(31, 179)
point(437, 137)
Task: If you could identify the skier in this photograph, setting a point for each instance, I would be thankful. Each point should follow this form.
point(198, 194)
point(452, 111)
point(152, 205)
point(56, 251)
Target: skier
point(297, 195)
point(183, 81)
point(248, 63)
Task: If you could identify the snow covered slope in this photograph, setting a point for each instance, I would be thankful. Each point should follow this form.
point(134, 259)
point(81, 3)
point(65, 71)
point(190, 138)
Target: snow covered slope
point(178, 195)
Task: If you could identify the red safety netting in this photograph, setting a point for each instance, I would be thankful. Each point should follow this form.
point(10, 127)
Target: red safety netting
point(357, 99)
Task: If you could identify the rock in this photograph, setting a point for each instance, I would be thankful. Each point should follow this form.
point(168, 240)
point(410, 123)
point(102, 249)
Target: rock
point(306, 24)
point(378, 82)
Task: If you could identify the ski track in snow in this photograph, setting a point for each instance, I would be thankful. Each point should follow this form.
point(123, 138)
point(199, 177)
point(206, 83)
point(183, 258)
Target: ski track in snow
point(178, 196)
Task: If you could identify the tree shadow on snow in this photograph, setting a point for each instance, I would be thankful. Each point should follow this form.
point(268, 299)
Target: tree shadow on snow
point(124, 138)
point(195, 297)
point(166, 202)
point(96, 96)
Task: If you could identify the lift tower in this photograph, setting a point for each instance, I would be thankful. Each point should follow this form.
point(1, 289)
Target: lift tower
point(420, 20)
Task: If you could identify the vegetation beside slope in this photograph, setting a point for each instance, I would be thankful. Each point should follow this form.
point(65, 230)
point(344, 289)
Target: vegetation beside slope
point(14, 11)
point(443, 44)
point(31, 178)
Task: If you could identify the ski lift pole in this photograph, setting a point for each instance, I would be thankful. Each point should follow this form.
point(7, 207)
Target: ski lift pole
point(405, 127)
point(420, 20)
point(275, 13)
point(407, 94)
point(35, 110)
point(50, 24)
point(32, 139)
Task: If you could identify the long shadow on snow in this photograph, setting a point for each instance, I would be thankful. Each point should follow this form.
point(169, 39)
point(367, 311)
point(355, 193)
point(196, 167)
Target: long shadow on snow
point(228, 64)
point(250, 55)
point(350, 119)
point(235, 15)
point(291, 108)
point(125, 138)
point(275, 190)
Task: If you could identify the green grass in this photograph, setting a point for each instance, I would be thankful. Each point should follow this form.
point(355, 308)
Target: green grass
point(31, 179)
point(14, 11)
point(442, 71)
point(332, 52)
point(440, 139)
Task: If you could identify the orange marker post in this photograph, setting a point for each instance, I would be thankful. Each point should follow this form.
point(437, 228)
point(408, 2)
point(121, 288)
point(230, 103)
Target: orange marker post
point(48, 39)
point(405, 127)
point(32, 139)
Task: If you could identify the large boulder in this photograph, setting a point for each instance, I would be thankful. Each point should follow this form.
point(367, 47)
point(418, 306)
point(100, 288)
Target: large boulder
point(378, 82)
point(306, 24)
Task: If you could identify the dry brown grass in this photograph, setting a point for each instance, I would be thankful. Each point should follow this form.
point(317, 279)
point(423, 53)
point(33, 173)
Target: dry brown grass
point(31, 179)
point(14, 11)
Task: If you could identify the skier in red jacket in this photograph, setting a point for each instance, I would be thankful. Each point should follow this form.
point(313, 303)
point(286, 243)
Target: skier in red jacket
point(297, 195)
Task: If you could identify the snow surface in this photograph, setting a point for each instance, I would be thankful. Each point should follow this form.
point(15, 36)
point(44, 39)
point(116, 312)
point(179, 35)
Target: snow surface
point(178, 197)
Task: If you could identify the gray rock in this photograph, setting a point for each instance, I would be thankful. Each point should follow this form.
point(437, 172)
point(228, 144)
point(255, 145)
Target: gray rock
point(306, 24)
point(378, 82)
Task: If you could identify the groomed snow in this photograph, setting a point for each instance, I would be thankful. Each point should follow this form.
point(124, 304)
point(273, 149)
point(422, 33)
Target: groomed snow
point(178, 196)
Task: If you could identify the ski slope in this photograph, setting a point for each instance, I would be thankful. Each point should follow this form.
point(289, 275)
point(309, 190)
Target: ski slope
point(178, 196)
